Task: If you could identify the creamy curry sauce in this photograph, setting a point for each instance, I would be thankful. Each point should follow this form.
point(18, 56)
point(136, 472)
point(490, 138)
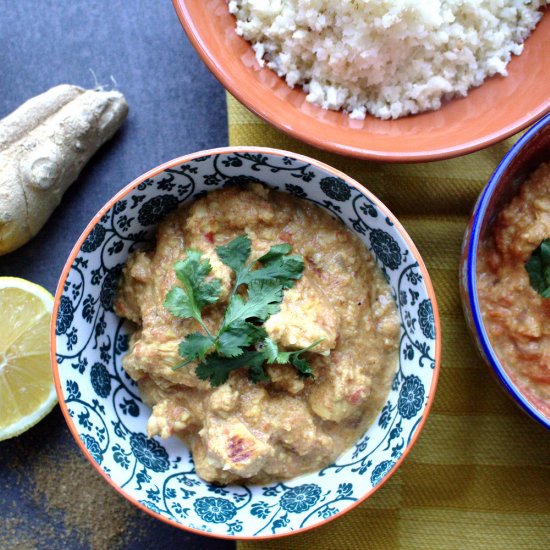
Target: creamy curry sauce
point(283, 428)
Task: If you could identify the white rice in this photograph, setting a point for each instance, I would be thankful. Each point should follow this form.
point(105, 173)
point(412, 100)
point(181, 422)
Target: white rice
point(390, 58)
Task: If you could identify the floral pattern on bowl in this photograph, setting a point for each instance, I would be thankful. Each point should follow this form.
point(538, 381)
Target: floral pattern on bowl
point(102, 404)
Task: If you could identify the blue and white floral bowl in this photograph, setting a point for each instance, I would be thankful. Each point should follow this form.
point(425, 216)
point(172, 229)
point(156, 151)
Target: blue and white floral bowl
point(102, 405)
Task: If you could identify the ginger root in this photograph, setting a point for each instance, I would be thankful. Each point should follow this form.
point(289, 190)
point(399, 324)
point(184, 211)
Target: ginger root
point(44, 145)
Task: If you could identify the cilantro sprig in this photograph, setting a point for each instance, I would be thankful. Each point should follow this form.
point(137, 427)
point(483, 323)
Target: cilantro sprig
point(241, 340)
point(538, 267)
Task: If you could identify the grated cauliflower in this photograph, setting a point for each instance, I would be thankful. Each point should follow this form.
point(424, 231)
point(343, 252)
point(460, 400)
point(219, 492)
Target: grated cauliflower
point(389, 58)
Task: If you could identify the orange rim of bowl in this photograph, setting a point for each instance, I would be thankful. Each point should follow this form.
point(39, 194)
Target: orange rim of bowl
point(185, 159)
point(341, 148)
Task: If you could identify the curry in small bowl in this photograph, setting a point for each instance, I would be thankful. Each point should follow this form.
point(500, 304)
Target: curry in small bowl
point(513, 278)
point(506, 272)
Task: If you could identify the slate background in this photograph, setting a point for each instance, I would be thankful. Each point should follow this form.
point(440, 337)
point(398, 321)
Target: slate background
point(176, 107)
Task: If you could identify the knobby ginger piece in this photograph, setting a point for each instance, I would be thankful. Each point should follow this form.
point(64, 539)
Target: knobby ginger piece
point(44, 145)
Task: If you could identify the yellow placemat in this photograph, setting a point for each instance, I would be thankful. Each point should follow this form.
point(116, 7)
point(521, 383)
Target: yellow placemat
point(479, 474)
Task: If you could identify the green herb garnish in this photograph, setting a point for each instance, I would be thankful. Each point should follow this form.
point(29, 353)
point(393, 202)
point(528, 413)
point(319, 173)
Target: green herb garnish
point(538, 267)
point(241, 340)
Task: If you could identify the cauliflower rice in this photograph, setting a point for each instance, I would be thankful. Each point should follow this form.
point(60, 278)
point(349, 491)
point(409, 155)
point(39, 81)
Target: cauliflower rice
point(389, 58)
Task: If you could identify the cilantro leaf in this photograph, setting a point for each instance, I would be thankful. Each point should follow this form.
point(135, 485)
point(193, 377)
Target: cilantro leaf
point(241, 340)
point(237, 336)
point(192, 273)
point(286, 270)
point(301, 365)
point(270, 350)
point(276, 264)
point(538, 268)
point(195, 346)
point(263, 300)
point(188, 301)
point(276, 251)
point(273, 355)
point(178, 303)
point(235, 253)
point(256, 371)
point(216, 368)
point(208, 292)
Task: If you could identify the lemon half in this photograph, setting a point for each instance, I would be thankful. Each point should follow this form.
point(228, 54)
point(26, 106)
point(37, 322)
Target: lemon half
point(27, 392)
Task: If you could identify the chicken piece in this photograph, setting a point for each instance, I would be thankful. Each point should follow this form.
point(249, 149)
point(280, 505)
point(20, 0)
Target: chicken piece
point(151, 354)
point(223, 400)
point(129, 364)
point(291, 423)
point(166, 418)
point(203, 466)
point(157, 359)
point(231, 446)
point(285, 378)
point(254, 399)
point(346, 386)
point(305, 317)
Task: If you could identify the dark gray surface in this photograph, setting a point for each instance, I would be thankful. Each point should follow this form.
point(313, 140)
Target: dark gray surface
point(176, 107)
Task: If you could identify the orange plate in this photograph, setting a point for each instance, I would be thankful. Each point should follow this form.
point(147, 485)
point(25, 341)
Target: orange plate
point(494, 111)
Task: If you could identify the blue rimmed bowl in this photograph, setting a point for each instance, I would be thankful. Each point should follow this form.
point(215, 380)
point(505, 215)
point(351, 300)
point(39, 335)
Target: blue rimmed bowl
point(531, 149)
point(102, 404)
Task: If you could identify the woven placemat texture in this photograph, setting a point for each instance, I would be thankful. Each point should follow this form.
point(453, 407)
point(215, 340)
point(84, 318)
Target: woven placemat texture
point(479, 474)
